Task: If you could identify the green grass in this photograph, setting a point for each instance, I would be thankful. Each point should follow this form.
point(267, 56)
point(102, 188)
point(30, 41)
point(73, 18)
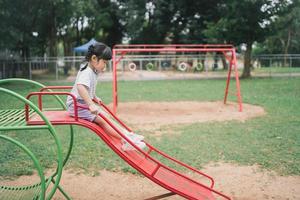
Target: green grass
point(271, 141)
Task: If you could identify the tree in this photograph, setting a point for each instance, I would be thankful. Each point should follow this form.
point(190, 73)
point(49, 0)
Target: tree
point(19, 22)
point(97, 19)
point(246, 22)
point(286, 39)
point(179, 21)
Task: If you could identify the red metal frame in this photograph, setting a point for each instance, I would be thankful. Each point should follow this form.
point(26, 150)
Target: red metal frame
point(223, 48)
point(100, 132)
point(40, 94)
point(173, 45)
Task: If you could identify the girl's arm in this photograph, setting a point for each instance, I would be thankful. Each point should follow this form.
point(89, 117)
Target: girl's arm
point(98, 99)
point(83, 92)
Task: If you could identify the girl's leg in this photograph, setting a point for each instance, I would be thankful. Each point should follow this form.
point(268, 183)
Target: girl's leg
point(108, 129)
point(121, 128)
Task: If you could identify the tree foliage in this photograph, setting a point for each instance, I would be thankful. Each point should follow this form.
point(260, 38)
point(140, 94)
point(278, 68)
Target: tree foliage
point(35, 27)
point(286, 35)
point(246, 22)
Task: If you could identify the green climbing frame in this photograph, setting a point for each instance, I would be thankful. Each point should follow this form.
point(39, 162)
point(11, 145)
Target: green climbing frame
point(14, 119)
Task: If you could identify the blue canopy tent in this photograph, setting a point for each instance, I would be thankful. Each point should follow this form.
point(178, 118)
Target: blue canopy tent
point(84, 48)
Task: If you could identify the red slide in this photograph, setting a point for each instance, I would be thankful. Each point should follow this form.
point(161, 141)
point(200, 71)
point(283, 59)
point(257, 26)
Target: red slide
point(149, 162)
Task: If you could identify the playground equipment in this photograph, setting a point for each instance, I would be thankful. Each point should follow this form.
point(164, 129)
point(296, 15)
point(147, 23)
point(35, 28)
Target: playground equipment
point(132, 66)
point(150, 66)
point(33, 191)
point(145, 161)
point(182, 66)
point(14, 120)
point(119, 51)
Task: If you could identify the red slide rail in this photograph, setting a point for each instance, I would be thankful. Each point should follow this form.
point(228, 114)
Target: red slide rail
point(160, 152)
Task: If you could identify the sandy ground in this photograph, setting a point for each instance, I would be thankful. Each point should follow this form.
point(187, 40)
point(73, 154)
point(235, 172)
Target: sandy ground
point(145, 115)
point(239, 182)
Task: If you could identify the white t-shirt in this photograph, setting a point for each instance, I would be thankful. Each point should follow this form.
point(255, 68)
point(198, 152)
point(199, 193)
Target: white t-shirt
point(87, 77)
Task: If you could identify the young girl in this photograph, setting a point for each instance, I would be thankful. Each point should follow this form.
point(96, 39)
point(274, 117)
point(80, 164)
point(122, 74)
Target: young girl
point(84, 90)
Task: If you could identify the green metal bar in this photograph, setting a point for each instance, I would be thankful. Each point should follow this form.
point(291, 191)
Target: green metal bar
point(3, 81)
point(5, 113)
point(36, 194)
point(12, 119)
point(11, 113)
point(63, 192)
point(34, 159)
point(69, 148)
point(23, 121)
point(52, 131)
point(20, 119)
point(4, 117)
point(2, 112)
point(10, 128)
point(70, 144)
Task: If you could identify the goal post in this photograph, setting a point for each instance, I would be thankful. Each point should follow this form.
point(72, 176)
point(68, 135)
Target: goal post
point(119, 51)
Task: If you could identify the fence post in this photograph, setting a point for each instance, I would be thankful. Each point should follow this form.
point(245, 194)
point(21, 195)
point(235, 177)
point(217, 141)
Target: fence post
point(56, 71)
point(30, 75)
point(4, 74)
point(159, 65)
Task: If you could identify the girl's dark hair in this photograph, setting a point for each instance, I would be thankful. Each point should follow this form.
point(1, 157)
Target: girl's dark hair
point(100, 50)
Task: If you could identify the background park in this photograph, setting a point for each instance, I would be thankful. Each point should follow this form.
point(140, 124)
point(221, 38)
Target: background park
point(174, 99)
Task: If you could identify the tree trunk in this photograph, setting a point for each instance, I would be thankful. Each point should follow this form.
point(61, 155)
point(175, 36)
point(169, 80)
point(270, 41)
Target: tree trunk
point(286, 48)
point(77, 32)
point(224, 63)
point(67, 45)
point(247, 61)
point(52, 38)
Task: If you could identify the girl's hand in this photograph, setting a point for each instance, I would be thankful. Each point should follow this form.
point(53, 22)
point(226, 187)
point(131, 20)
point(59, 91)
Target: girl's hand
point(94, 109)
point(98, 100)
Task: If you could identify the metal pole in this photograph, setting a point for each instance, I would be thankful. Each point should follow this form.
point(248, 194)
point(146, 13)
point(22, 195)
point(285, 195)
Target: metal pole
point(4, 75)
point(270, 72)
point(238, 87)
point(115, 95)
point(56, 71)
point(30, 75)
point(159, 65)
point(228, 77)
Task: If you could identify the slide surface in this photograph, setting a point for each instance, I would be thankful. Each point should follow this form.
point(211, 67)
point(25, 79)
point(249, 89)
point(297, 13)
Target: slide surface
point(142, 160)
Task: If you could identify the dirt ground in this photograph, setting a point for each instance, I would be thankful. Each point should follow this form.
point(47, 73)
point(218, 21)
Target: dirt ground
point(239, 182)
point(152, 115)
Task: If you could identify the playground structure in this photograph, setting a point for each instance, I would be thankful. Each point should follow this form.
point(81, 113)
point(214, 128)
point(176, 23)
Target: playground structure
point(229, 52)
point(38, 117)
point(192, 62)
